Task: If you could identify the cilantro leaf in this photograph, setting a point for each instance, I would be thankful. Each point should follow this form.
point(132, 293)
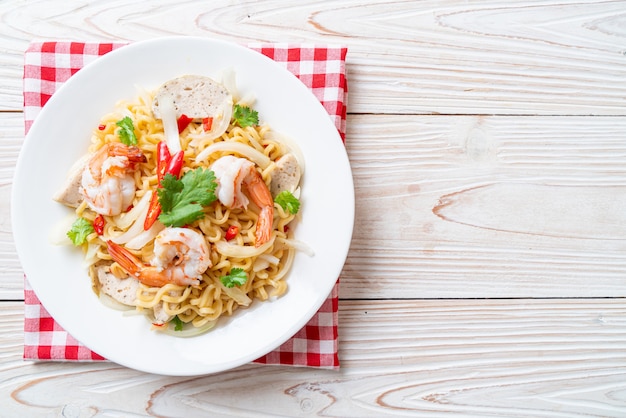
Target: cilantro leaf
point(178, 323)
point(126, 131)
point(288, 202)
point(244, 116)
point(81, 228)
point(182, 200)
point(236, 277)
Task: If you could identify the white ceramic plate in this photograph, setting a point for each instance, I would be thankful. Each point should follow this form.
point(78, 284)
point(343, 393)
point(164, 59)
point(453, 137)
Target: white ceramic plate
point(61, 134)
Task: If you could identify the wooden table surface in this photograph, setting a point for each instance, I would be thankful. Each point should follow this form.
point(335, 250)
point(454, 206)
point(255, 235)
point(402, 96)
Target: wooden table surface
point(487, 271)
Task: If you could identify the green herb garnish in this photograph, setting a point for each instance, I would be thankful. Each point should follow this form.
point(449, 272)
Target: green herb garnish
point(236, 277)
point(244, 116)
point(81, 229)
point(126, 131)
point(183, 200)
point(288, 202)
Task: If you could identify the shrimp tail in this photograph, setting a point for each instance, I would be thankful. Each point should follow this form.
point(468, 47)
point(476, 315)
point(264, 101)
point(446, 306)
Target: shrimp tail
point(133, 153)
point(127, 260)
point(133, 266)
point(261, 196)
point(239, 174)
point(263, 231)
point(146, 274)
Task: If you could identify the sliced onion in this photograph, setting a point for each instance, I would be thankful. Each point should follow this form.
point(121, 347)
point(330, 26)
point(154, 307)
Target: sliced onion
point(188, 331)
point(298, 245)
point(237, 295)
point(242, 251)
point(247, 100)
point(247, 151)
point(221, 119)
point(229, 81)
point(125, 220)
point(58, 233)
point(170, 125)
point(109, 302)
point(264, 261)
point(143, 93)
point(260, 264)
point(137, 228)
point(91, 256)
point(145, 237)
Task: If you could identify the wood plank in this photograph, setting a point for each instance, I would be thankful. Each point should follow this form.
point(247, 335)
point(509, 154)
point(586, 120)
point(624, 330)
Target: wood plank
point(427, 57)
point(11, 139)
point(476, 358)
point(487, 207)
point(462, 207)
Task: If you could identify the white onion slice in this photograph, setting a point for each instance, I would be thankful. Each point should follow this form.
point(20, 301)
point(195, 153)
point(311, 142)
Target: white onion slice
point(229, 81)
point(264, 261)
point(221, 119)
point(188, 331)
point(247, 100)
point(125, 220)
point(137, 228)
point(144, 95)
point(237, 295)
point(221, 122)
point(91, 256)
point(260, 264)
point(58, 233)
point(247, 151)
point(109, 302)
point(242, 251)
point(145, 237)
point(298, 245)
point(170, 125)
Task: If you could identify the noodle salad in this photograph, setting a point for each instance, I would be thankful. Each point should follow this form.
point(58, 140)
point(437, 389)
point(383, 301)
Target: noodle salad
point(185, 205)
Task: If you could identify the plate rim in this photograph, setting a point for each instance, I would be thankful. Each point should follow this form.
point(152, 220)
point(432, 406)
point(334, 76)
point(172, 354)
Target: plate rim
point(17, 180)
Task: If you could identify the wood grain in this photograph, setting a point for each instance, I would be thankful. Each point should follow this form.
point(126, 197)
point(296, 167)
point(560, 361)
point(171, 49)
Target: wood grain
point(487, 207)
point(487, 272)
point(11, 139)
point(457, 358)
point(430, 57)
point(484, 207)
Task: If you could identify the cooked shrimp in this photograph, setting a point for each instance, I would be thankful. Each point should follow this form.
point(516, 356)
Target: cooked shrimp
point(232, 173)
point(181, 256)
point(107, 184)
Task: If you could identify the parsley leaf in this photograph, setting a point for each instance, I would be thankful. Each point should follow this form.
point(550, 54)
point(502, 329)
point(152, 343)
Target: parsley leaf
point(178, 323)
point(126, 131)
point(182, 200)
point(244, 116)
point(237, 276)
point(288, 202)
point(81, 228)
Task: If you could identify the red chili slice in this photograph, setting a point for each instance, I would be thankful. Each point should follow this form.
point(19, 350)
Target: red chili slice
point(176, 164)
point(163, 159)
point(207, 124)
point(231, 233)
point(154, 210)
point(183, 122)
point(165, 165)
point(98, 224)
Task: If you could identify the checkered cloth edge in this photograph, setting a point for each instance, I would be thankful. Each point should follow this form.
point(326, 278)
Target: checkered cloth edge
point(47, 65)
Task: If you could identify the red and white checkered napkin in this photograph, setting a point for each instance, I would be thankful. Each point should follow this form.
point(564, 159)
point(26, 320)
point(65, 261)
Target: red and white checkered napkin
point(321, 68)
